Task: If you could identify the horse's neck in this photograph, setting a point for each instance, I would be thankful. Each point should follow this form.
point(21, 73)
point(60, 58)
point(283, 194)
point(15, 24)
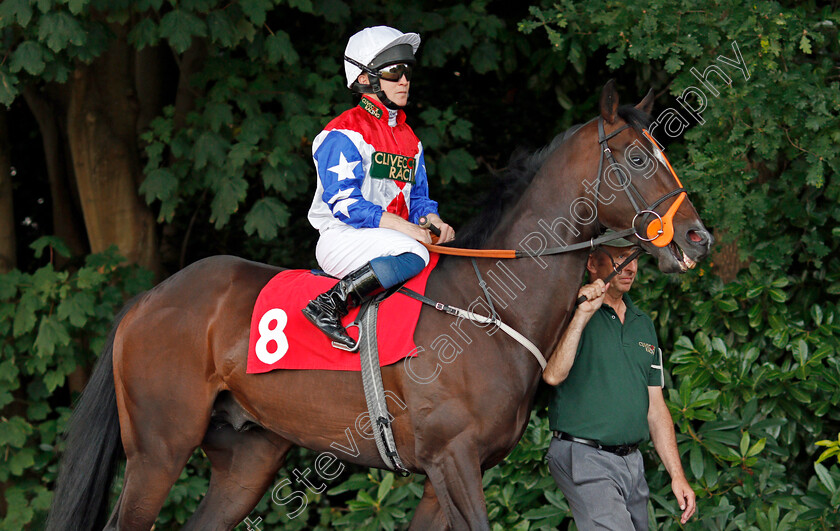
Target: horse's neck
point(542, 307)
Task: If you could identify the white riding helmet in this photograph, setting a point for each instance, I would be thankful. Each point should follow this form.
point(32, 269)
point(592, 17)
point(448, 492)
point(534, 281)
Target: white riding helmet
point(364, 46)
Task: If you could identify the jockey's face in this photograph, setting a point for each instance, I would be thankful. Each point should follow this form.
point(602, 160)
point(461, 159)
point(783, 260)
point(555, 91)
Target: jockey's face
point(396, 91)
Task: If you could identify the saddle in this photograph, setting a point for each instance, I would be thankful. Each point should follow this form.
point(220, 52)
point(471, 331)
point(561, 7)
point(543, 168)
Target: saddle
point(282, 338)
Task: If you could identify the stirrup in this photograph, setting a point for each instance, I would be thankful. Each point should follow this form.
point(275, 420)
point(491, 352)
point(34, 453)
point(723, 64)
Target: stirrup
point(355, 347)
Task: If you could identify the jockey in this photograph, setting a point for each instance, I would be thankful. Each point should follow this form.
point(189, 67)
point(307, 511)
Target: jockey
point(372, 186)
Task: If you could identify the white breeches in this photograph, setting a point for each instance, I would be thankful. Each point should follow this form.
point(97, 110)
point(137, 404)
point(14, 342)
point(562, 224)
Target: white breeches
point(341, 250)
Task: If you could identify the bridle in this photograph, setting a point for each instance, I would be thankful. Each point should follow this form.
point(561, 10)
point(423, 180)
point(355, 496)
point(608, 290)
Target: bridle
point(663, 234)
point(659, 236)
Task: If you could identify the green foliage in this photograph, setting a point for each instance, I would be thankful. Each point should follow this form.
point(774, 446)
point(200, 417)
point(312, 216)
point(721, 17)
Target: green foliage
point(754, 363)
point(53, 324)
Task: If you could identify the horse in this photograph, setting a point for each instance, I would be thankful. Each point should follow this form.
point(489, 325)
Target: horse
point(172, 376)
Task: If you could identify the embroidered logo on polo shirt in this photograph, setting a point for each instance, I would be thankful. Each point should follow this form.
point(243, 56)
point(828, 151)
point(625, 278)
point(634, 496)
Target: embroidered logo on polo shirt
point(368, 105)
point(648, 348)
point(395, 167)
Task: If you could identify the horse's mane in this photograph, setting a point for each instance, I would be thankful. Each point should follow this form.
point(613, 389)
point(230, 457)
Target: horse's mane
point(512, 181)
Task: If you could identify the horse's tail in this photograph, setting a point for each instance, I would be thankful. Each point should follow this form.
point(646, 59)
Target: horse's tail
point(87, 468)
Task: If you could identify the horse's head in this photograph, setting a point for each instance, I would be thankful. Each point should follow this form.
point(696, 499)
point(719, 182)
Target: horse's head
point(637, 188)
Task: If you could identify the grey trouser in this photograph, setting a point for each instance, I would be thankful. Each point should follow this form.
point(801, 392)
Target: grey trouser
point(604, 491)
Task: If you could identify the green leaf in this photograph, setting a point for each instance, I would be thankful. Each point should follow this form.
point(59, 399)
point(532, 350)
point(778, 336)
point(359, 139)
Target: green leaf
point(51, 333)
point(673, 64)
point(696, 461)
point(485, 57)
point(21, 460)
point(19, 10)
point(240, 154)
point(777, 295)
point(76, 308)
point(385, 486)
point(58, 30)
point(77, 6)
point(279, 48)
point(745, 443)
point(144, 33)
point(53, 380)
point(229, 193)
point(616, 59)
point(179, 27)
point(825, 477)
point(159, 183)
point(210, 147)
point(303, 5)
point(29, 56)
point(256, 10)
point(757, 447)
point(54, 242)
point(456, 165)
point(800, 350)
point(266, 216)
point(727, 305)
point(218, 115)
point(333, 11)
point(815, 176)
point(817, 314)
point(25, 318)
point(38, 410)
point(8, 87)
point(13, 432)
point(805, 44)
point(222, 29)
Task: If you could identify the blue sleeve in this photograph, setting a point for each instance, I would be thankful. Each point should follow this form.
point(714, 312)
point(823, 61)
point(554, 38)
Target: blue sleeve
point(341, 171)
point(419, 202)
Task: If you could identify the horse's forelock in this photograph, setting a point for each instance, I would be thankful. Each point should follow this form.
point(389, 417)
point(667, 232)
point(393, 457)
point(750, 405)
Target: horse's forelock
point(637, 118)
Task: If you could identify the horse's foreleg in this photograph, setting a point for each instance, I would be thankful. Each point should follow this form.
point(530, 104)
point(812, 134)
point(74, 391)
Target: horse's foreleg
point(243, 466)
point(455, 475)
point(429, 514)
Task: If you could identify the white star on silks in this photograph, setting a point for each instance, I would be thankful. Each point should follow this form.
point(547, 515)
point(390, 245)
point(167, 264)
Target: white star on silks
point(344, 169)
point(342, 201)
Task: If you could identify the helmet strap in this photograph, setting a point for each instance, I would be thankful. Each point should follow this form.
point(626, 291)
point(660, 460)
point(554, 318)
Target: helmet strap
point(375, 87)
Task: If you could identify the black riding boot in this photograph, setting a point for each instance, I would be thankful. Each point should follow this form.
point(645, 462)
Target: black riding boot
point(327, 309)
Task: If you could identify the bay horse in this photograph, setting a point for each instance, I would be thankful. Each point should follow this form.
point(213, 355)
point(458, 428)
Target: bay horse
point(172, 376)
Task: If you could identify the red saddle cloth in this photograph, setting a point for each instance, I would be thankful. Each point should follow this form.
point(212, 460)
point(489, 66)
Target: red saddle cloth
point(282, 338)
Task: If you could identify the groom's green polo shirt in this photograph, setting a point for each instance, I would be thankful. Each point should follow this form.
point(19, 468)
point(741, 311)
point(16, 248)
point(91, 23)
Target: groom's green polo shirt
point(605, 396)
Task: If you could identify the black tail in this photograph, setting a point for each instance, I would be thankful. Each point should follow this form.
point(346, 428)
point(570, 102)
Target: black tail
point(80, 500)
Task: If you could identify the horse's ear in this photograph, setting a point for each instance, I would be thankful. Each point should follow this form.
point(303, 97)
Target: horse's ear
point(646, 105)
point(609, 101)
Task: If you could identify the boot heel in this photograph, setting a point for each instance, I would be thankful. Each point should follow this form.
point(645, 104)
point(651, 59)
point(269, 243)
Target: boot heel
point(342, 346)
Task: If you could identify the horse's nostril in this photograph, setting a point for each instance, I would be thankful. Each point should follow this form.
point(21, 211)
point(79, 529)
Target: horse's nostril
point(699, 237)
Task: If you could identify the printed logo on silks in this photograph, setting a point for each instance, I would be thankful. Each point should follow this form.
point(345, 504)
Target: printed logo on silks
point(395, 167)
point(648, 348)
point(367, 105)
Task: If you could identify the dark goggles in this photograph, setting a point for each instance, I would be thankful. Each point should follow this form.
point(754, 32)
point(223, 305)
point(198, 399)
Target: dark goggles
point(395, 72)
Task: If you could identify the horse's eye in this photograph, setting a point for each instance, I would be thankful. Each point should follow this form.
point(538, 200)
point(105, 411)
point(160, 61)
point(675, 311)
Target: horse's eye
point(637, 160)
